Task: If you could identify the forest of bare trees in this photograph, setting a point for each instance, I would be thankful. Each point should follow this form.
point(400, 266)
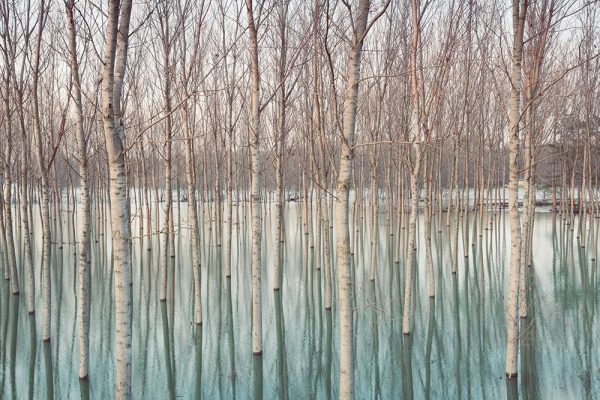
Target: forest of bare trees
point(422, 117)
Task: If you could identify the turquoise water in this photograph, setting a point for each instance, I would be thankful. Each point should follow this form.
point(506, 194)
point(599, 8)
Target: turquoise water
point(455, 351)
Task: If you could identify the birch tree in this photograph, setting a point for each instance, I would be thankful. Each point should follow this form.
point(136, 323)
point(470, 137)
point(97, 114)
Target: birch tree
point(255, 209)
point(19, 74)
point(280, 137)
point(166, 233)
point(415, 126)
point(360, 28)
point(43, 165)
point(113, 72)
point(519, 13)
point(8, 52)
point(317, 121)
point(189, 68)
point(83, 306)
point(541, 21)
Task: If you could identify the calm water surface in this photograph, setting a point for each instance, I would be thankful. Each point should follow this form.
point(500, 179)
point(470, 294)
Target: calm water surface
point(456, 350)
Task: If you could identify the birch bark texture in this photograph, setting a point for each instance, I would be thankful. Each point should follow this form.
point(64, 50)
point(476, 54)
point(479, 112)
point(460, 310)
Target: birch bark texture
point(45, 186)
point(187, 66)
point(360, 29)
point(255, 209)
point(8, 52)
point(166, 232)
point(322, 171)
point(83, 306)
point(280, 144)
point(519, 12)
point(113, 72)
point(416, 168)
point(193, 210)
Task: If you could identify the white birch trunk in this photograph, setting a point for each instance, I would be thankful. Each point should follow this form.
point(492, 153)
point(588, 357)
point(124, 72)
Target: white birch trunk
point(115, 59)
point(83, 306)
point(166, 232)
point(428, 222)
point(11, 269)
point(193, 211)
point(27, 239)
point(414, 177)
point(527, 212)
point(25, 205)
point(280, 147)
point(344, 274)
point(519, 10)
point(45, 186)
point(229, 202)
point(374, 212)
point(256, 176)
point(3, 242)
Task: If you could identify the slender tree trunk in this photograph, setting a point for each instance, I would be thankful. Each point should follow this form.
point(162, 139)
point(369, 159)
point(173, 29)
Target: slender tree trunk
point(25, 204)
point(45, 185)
point(115, 60)
point(519, 11)
point(229, 199)
point(344, 273)
point(428, 214)
point(414, 177)
point(10, 272)
point(193, 211)
point(318, 125)
point(280, 145)
point(527, 211)
point(255, 190)
point(166, 232)
point(374, 203)
point(83, 306)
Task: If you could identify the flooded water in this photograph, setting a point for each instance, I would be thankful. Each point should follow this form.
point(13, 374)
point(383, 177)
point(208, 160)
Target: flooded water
point(456, 349)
